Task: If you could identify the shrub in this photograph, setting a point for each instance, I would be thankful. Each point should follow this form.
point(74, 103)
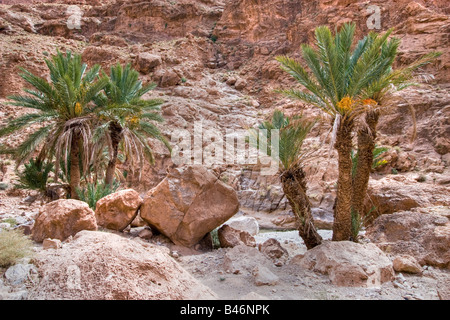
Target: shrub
point(14, 245)
point(215, 238)
point(34, 175)
point(96, 191)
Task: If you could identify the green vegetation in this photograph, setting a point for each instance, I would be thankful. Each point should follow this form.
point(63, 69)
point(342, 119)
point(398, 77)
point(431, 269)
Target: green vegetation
point(35, 175)
point(85, 121)
point(348, 81)
point(292, 133)
point(128, 119)
point(95, 191)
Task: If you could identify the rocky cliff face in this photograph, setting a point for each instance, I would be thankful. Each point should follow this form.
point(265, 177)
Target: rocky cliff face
point(213, 61)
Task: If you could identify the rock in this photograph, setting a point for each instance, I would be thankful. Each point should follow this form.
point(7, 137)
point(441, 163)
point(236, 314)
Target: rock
point(349, 264)
point(414, 233)
point(406, 263)
point(147, 62)
point(166, 78)
point(189, 203)
point(19, 274)
point(240, 84)
point(106, 266)
point(230, 237)
point(26, 228)
point(397, 193)
point(273, 250)
point(244, 223)
point(100, 55)
point(51, 244)
point(231, 81)
point(145, 234)
point(243, 259)
point(63, 218)
point(443, 288)
point(117, 210)
point(264, 277)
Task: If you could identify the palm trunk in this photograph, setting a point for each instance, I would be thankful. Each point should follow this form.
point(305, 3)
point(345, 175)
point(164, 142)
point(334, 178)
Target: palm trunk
point(116, 135)
point(294, 187)
point(75, 175)
point(342, 226)
point(366, 145)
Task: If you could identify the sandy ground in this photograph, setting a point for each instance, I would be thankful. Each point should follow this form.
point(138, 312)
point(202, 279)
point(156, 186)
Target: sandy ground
point(295, 283)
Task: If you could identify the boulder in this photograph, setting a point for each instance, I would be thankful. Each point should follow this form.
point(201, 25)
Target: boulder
point(106, 266)
point(230, 237)
point(273, 250)
point(20, 273)
point(423, 234)
point(61, 219)
point(189, 203)
point(406, 263)
point(147, 62)
point(117, 210)
point(350, 264)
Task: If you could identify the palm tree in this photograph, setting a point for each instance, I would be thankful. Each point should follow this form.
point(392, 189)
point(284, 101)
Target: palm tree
point(380, 92)
point(292, 133)
point(64, 116)
point(126, 117)
point(336, 82)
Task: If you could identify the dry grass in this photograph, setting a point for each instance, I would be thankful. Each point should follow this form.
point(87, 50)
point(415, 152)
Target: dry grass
point(14, 245)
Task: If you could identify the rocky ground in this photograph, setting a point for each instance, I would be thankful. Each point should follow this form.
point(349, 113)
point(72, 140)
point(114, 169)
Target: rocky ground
point(242, 272)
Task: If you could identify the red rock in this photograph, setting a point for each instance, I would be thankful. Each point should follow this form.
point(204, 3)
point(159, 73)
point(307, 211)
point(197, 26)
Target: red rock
point(424, 235)
point(61, 219)
point(189, 203)
point(117, 210)
point(350, 264)
point(230, 237)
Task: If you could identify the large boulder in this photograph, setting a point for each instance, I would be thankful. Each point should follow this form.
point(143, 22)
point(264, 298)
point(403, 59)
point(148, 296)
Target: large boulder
point(61, 219)
point(350, 264)
point(190, 202)
point(423, 234)
point(117, 210)
point(106, 266)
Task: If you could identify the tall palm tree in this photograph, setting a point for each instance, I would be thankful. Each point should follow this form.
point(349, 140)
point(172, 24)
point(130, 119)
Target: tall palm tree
point(64, 116)
point(380, 92)
point(127, 118)
point(292, 133)
point(335, 83)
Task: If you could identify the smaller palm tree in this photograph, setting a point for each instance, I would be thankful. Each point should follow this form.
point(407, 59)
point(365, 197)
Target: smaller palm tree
point(292, 133)
point(64, 115)
point(127, 118)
